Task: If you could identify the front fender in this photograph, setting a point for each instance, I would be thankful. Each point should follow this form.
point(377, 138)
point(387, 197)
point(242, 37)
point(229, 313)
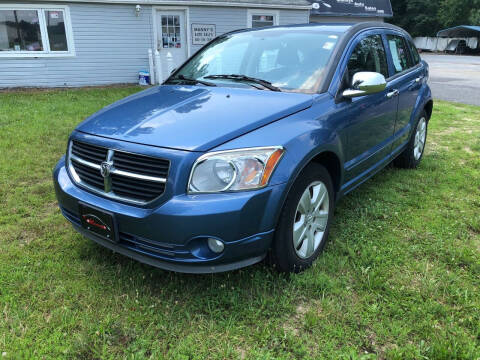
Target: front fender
point(304, 135)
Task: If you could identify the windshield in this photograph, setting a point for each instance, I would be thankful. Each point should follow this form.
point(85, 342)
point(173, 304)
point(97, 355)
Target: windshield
point(292, 60)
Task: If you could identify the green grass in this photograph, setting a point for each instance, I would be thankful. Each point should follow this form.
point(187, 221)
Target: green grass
point(399, 278)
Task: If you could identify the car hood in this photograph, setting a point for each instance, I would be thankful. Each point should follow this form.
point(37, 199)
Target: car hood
point(192, 118)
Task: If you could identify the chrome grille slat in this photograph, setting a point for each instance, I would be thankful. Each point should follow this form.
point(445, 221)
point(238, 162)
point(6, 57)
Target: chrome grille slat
point(139, 176)
point(130, 177)
point(138, 170)
point(89, 178)
point(85, 162)
point(89, 175)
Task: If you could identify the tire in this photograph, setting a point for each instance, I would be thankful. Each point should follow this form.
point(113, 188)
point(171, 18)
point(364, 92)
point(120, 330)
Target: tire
point(284, 255)
point(413, 153)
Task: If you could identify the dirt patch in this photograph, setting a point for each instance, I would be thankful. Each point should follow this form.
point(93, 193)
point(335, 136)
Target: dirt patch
point(448, 131)
point(296, 322)
point(242, 353)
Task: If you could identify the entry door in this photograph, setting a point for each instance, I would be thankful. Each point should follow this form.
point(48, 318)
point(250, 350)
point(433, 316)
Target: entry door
point(171, 39)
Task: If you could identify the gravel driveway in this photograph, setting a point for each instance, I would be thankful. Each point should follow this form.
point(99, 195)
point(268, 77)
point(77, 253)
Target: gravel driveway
point(454, 77)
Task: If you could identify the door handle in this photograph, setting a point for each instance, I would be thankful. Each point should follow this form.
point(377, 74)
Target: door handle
point(419, 79)
point(392, 94)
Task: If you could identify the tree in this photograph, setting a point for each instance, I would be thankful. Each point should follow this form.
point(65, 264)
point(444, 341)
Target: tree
point(426, 17)
point(475, 13)
point(454, 12)
point(419, 17)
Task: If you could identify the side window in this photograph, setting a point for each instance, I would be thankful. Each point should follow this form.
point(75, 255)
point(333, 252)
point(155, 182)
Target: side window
point(399, 51)
point(368, 55)
point(414, 51)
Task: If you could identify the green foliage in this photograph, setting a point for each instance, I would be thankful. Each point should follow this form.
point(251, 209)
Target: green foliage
point(399, 278)
point(475, 15)
point(454, 12)
point(426, 17)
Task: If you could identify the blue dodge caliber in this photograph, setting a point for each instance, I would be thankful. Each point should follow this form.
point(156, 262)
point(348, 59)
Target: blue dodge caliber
point(243, 152)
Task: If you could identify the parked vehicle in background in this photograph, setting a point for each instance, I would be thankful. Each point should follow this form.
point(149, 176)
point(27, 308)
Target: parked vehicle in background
point(457, 47)
point(244, 151)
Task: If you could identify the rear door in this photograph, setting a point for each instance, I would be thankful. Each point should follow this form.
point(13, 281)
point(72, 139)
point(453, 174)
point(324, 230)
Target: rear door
point(407, 76)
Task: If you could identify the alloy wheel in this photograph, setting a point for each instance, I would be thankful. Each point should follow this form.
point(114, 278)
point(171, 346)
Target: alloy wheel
point(420, 137)
point(311, 218)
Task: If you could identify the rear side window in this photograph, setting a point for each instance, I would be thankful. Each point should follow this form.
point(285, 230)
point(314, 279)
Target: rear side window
point(369, 55)
point(400, 56)
point(414, 51)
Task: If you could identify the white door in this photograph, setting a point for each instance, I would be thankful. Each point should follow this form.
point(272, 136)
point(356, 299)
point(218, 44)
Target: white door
point(171, 40)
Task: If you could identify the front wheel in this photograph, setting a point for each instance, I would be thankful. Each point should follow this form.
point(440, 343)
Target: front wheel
point(413, 153)
point(305, 221)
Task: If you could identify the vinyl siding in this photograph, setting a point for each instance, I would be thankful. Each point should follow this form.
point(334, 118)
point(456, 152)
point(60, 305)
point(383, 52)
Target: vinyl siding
point(112, 45)
point(288, 17)
point(226, 19)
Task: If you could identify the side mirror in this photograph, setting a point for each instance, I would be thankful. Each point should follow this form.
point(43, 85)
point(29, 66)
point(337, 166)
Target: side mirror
point(366, 83)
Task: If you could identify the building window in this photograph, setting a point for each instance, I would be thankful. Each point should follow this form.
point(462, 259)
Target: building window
point(171, 35)
point(262, 18)
point(35, 32)
point(259, 21)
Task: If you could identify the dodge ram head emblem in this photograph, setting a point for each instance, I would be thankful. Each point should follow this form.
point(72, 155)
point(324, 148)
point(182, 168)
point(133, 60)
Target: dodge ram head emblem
point(105, 168)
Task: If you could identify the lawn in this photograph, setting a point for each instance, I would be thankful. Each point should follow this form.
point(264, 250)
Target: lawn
point(399, 278)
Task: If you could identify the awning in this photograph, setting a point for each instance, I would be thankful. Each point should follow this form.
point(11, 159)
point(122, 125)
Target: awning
point(370, 8)
point(465, 31)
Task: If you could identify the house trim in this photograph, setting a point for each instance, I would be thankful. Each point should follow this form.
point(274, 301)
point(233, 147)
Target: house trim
point(192, 3)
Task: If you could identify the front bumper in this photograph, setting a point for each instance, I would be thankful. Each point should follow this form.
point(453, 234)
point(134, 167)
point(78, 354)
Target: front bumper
point(173, 235)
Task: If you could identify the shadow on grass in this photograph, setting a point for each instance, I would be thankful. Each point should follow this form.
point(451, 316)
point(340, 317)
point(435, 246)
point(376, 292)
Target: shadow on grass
point(245, 290)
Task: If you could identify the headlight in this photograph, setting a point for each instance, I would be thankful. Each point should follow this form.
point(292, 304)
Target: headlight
point(234, 170)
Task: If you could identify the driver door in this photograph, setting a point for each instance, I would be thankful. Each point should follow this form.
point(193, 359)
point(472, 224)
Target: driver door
point(371, 118)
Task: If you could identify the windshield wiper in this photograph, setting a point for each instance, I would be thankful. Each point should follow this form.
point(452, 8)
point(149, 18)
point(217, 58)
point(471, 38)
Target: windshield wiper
point(191, 81)
point(266, 84)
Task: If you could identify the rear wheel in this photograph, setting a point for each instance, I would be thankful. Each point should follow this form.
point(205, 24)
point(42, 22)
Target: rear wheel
point(413, 153)
point(305, 221)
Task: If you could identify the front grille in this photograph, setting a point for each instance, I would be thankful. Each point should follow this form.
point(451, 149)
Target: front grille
point(117, 174)
point(92, 153)
point(136, 188)
point(141, 164)
point(89, 175)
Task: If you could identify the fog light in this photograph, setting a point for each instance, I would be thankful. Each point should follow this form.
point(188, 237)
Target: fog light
point(216, 245)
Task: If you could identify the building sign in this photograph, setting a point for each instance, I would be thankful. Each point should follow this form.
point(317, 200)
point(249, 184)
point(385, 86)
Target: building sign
point(380, 8)
point(203, 33)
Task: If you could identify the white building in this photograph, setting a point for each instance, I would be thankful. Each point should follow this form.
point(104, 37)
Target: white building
point(99, 42)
